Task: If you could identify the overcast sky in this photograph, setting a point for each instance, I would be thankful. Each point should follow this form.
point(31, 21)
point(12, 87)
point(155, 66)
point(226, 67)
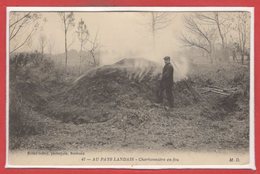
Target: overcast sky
point(120, 32)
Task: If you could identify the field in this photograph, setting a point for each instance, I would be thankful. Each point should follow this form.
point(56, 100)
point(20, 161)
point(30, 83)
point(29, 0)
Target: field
point(114, 107)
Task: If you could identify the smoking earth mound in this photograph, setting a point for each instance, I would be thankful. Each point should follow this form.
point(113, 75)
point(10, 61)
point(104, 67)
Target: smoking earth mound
point(100, 94)
point(114, 106)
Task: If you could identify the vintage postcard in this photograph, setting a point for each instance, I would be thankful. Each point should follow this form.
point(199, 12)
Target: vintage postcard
point(130, 87)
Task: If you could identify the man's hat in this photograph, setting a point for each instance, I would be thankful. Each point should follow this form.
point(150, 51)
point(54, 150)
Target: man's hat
point(167, 58)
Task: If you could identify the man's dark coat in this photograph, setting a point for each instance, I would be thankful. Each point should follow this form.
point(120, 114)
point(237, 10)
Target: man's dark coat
point(167, 84)
point(167, 75)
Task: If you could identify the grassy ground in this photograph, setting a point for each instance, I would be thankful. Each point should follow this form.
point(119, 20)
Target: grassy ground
point(181, 129)
point(123, 119)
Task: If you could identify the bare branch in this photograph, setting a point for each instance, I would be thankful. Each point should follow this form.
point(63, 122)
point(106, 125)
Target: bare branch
point(23, 43)
point(20, 28)
point(192, 43)
point(67, 19)
point(17, 21)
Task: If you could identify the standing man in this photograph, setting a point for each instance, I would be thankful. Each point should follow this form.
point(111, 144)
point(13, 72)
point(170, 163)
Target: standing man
point(167, 81)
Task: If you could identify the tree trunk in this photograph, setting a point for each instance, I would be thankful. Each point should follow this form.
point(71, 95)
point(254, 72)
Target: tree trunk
point(242, 57)
point(66, 52)
point(42, 50)
point(220, 32)
point(94, 58)
point(210, 53)
point(153, 35)
point(80, 57)
point(210, 57)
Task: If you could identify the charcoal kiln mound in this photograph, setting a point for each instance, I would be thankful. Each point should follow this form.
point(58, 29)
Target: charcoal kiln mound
point(113, 106)
point(132, 77)
point(99, 94)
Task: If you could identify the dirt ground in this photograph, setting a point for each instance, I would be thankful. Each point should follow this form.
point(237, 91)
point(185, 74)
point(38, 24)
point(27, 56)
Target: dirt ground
point(78, 116)
point(181, 129)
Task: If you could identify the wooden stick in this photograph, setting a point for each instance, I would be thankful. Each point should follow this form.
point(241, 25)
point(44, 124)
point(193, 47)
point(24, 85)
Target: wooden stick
point(223, 89)
point(226, 94)
point(217, 91)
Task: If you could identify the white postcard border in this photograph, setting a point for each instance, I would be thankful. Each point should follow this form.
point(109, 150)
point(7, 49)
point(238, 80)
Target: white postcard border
point(251, 164)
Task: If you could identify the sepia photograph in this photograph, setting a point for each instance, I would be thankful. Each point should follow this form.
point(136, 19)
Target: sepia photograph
point(130, 87)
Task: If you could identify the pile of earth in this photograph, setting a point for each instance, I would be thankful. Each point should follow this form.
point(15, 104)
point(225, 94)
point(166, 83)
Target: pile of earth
point(121, 100)
point(23, 120)
point(103, 92)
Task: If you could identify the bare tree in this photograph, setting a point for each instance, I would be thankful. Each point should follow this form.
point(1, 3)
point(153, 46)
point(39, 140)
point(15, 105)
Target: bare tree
point(198, 35)
point(67, 19)
point(94, 50)
point(221, 22)
point(157, 21)
point(239, 36)
point(83, 34)
point(42, 43)
point(21, 28)
point(243, 32)
point(51, 44)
